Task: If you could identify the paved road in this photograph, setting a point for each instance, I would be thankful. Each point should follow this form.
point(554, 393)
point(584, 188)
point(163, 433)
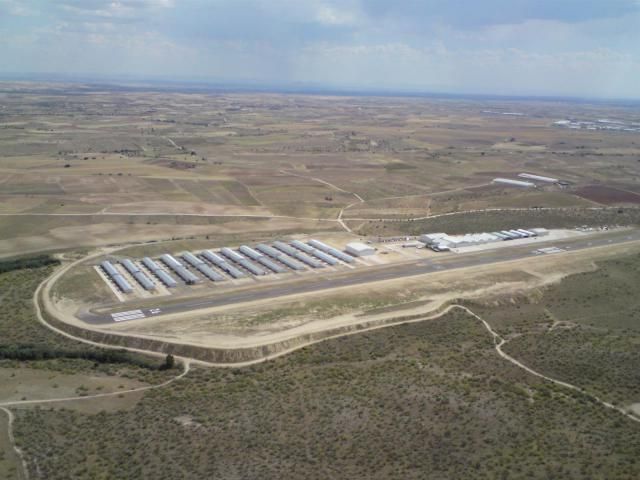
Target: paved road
point(382, 272)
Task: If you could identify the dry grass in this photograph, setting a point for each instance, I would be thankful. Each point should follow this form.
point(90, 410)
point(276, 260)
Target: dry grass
point(67, 153)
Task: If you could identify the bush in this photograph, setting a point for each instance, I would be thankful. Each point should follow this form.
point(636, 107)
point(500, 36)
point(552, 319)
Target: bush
point(45, 352)
point(27, 263)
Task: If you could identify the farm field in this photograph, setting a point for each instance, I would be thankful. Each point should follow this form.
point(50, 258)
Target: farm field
point(85, 166)
point(520, 363)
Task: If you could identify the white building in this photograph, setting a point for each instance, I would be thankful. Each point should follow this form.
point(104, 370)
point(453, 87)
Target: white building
point(358, 249)
point(457, 241)
point(440, 240)
point(539, 178)
point(431, 238)
point(514, 183)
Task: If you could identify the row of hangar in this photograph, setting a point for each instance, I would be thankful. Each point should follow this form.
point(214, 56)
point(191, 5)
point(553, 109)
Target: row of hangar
point(246, 261)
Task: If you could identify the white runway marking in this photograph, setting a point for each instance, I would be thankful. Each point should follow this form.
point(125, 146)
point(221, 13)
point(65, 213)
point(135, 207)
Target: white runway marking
point(130, 315)
point(550, 250)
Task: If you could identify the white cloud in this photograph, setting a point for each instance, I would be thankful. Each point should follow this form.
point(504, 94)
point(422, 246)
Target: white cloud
point(16, 8)
point(330, 15)
point(415, 44)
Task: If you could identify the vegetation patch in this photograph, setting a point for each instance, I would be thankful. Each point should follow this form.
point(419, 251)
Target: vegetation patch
point(27, 263)
point(423, 400)
point(584, 330)
point(607, 195)
point(23, 338)
point(489, 221)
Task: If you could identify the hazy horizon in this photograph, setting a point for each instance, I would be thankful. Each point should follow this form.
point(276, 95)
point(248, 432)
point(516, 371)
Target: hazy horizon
point(528, 48)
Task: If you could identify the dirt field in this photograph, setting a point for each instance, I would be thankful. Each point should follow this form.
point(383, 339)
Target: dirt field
point(20, 383)
point(608, 195)
point(268, 155)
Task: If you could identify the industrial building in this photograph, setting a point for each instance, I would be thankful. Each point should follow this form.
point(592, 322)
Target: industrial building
point(220, 262)
point(262, 259)
point(538, 178)
point(116, 277)
point(243, 262)
point(188, 277)
point(315, 252)
point(514, 183)
point(138, 274)
point(156, 270)
point(358, 249)
point(443, 242)
point(227, 263)
point(323, 247)
point(292, 252)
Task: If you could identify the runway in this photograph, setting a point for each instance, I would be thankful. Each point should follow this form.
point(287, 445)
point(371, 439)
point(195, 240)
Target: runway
point(448, 261)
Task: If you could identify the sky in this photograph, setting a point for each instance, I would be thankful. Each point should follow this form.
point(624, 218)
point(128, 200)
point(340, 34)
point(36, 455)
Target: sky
point(581, 48)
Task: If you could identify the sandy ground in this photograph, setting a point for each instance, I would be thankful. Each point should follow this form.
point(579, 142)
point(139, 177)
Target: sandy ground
point(187, 207)
point(99, 234)
point(34, 384)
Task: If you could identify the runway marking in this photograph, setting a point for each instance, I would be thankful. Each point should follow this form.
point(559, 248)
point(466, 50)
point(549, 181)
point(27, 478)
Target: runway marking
point(550, 250)
point(129, 315)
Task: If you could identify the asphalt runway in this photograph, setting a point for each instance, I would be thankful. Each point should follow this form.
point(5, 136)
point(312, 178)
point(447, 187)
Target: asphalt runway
point(363, 275)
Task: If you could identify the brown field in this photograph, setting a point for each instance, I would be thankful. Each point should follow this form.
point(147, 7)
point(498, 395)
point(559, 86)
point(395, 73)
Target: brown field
point(608, 195)
point(78, 150)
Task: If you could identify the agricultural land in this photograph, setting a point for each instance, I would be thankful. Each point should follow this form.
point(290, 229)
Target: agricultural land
point(512, 360)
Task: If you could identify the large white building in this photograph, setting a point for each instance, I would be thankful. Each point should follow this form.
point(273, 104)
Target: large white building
point(514, 183)
point(358, 249)
point(539, 178)
point(470, 239)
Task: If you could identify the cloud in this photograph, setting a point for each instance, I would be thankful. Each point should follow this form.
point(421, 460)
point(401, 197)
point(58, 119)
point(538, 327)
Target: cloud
point(110, 10)
point(479, 13)
point(15, 8)
point(588, 47)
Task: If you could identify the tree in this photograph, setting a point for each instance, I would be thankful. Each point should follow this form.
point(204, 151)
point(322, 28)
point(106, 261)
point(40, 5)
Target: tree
point(169, 362)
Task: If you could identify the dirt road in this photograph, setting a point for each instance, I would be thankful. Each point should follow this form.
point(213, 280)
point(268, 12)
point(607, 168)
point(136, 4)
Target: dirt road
point(4, 407)
point(500, 342)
